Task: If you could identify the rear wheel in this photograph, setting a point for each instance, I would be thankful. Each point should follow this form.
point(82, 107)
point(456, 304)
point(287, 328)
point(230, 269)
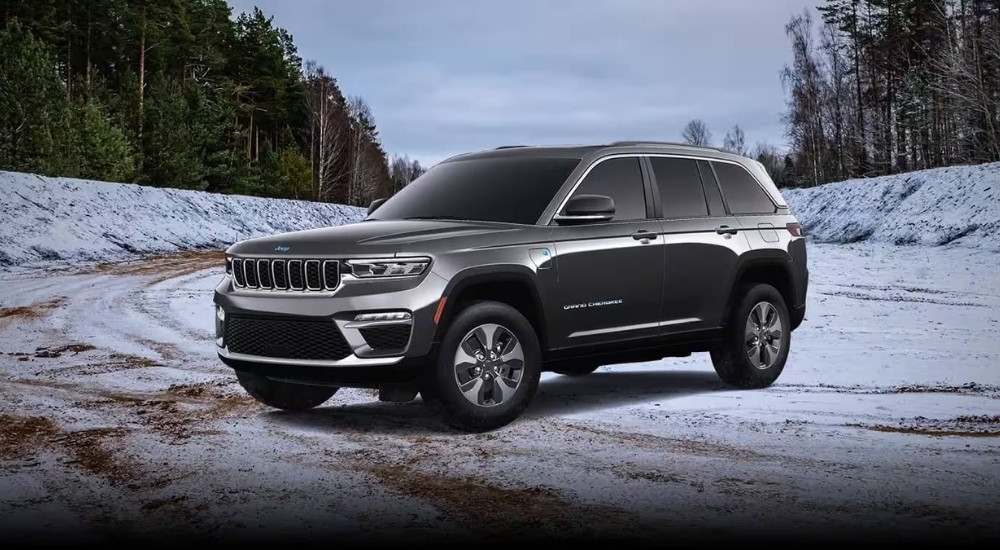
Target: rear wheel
point(757, 338)
point(284, 395)
point(487, 368)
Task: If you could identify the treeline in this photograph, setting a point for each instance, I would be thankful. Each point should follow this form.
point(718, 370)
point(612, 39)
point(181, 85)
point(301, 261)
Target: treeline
point(779, 165)
point(883, 86)
point(179, 94)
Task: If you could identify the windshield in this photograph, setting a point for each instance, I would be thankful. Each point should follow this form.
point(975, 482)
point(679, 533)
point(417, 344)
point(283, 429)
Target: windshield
point(498, 189)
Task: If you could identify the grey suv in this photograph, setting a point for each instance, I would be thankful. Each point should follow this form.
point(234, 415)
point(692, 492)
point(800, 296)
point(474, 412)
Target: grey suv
point(495, 266)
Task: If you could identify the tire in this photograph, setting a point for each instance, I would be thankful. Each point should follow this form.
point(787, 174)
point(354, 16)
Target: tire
point(576, 370)
point(748, 358)
point(499, 391)
point(284, 395)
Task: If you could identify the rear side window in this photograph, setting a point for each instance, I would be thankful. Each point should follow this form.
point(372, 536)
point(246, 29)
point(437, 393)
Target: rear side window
point(620, 179)
point(681, 195)
point(712, 193)
point(742, 193)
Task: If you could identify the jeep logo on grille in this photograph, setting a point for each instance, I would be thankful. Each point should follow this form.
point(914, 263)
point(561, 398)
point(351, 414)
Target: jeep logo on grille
point(282, 248)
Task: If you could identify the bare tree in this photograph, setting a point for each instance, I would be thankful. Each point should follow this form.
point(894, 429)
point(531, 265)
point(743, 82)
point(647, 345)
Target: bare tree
point(735, 141)
point(328, 135)
point(363, 182)
point(697, 133)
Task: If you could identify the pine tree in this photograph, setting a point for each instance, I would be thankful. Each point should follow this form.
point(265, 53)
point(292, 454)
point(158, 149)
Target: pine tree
point(35, 132)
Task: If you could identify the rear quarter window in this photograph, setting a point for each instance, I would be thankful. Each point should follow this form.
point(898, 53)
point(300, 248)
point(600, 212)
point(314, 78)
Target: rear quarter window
point(742, 192)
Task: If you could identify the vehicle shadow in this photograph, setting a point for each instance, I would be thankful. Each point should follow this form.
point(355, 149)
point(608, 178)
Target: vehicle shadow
point(557, 395)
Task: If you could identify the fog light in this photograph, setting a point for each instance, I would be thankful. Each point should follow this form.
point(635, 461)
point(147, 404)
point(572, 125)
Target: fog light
point(387, 316)
point(220, 321)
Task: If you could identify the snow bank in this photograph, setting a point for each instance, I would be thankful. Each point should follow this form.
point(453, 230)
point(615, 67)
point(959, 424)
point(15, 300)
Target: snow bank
point(959, 204)
point(44, 219)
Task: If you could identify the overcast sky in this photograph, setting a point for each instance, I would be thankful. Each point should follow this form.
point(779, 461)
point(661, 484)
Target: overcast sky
point(450, 76)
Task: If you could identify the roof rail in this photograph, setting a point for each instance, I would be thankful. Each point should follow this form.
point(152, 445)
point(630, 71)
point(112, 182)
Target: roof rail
point(510, 147)
point(671, 143)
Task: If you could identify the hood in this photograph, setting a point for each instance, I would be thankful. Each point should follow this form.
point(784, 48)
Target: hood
point(378, 238)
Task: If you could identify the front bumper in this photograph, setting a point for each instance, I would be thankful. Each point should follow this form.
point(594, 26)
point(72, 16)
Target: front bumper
point(418, 296)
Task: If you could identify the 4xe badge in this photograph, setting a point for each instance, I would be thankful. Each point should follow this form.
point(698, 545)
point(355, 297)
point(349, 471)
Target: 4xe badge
point(282, 248)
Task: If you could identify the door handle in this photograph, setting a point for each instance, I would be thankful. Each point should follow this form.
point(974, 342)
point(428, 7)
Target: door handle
point(726, 230)
point(643, 235)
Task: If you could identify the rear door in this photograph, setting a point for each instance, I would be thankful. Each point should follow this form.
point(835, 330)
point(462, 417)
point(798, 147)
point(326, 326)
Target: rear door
point(701, 244)
point(610, 274)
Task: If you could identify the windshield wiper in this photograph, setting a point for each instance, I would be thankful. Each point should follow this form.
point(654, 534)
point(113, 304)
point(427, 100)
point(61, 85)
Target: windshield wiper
point(433, 218)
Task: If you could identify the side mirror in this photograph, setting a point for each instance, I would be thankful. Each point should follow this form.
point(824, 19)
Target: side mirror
point(587, 208)
point(374, 205)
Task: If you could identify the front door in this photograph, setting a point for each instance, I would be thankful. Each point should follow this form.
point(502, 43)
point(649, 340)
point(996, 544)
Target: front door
point(609, 274)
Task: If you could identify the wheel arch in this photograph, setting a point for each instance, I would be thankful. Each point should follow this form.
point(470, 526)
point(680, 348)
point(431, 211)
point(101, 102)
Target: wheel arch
point(509, 284)
point(769, 267)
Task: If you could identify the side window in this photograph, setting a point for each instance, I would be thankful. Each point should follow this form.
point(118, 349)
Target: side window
point(715, 205)
point(620, 179)
point(743, 194)
point(681, 194)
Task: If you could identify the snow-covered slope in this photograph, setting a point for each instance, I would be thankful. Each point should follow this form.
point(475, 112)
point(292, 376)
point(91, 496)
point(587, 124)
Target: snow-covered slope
point(959, 204)
point(68, 219)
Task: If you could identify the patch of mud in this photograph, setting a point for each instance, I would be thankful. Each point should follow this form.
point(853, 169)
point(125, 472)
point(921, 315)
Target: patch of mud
point(89, 450)
point(114, 362)
point(164, 266)
point(49, 352)
point(36, 310)
point(23, 435)
point(962, 426)
point(504, 512)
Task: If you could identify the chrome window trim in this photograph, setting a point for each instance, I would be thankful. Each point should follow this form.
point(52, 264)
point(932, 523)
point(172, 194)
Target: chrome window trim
point(586, 172)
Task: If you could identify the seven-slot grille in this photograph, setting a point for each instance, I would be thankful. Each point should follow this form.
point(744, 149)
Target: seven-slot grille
point(274, 274)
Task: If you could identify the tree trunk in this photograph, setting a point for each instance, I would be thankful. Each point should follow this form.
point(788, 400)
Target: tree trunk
point(142, 61)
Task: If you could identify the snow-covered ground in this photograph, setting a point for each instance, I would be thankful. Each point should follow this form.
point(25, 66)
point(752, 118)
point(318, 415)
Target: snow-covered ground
point(45, 219)
point(958, 205)
point(885, 420)
point(116, 418)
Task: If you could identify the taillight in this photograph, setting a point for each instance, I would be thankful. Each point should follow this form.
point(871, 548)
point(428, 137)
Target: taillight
point(795, 229)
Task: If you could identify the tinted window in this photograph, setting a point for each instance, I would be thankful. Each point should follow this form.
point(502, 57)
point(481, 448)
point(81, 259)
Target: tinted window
point(620, 179)
point(505, 189)
point(681, 195)
point(715, 205)
point(743, 194)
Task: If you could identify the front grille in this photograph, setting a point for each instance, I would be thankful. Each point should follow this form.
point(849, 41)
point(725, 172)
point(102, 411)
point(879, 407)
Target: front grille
point(313, 280)
point(387, 337)
point(286, 338)
point(289, 275)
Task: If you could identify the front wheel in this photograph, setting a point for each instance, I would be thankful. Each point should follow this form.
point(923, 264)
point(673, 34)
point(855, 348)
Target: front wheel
point(284, 395)
point(487, 367)
point(756, 341)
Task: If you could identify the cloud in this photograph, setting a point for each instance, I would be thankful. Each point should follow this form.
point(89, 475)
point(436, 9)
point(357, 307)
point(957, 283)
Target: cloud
point(449, 76)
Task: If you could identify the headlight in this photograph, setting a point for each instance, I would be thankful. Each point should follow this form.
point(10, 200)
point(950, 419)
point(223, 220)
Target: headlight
point(229, 265)
point(406, 267)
